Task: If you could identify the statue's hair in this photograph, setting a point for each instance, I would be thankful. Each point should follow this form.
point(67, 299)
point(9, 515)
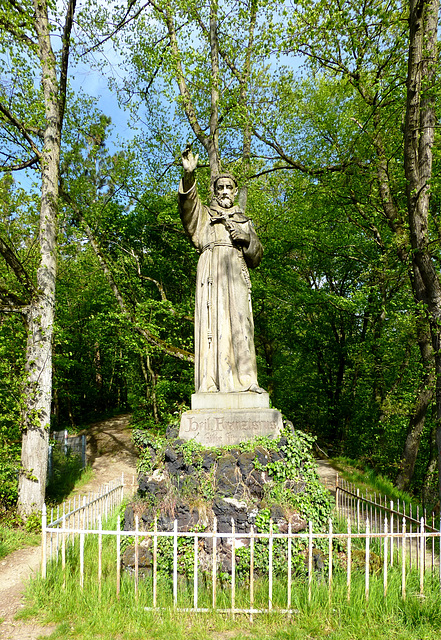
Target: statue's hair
point(224, 175)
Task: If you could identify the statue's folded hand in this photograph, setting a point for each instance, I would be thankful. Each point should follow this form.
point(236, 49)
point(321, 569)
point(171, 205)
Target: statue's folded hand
point(240, 235)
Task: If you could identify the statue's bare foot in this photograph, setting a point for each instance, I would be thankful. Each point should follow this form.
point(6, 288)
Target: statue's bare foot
point(254, 388)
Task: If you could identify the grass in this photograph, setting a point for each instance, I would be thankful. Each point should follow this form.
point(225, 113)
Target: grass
point(91, 613)
point(67, 474)
point(367, 478)
point(12, 539)
point(87, 614)
point(14, 534)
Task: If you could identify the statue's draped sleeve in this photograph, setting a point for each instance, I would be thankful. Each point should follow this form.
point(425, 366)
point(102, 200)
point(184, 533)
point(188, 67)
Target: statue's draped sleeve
point(194, 215)
point(254, 252)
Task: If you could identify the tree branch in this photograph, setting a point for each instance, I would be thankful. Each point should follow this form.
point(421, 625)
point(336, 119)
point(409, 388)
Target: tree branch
point(122, 23)
point(65, 55)
point(181, 354)
point(10, 28)
point(22, 165)
point(16, 266)
point(20, 126)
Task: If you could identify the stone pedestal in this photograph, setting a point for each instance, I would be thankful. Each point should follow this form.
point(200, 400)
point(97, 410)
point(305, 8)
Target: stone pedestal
point(221, 419)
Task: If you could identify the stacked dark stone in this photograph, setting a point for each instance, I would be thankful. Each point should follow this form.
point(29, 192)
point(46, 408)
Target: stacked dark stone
point(228, 486)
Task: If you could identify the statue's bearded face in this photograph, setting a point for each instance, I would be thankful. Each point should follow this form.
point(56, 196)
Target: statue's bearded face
point(225, 191)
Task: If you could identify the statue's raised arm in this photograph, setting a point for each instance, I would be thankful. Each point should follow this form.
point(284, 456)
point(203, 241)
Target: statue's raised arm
point(189, 163)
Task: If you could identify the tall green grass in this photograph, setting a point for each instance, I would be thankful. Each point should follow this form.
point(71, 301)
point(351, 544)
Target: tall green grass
point(12, 539)
point(95, 613)
point(364, 477)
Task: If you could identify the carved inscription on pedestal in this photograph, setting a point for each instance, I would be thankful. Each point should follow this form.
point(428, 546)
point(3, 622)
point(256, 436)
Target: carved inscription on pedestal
point(230, 427)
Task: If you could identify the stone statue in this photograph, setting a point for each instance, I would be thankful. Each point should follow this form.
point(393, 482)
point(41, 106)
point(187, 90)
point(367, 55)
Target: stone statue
point(225, 359)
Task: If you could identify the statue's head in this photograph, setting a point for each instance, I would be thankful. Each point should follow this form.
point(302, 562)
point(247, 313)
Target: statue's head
point(225, 189)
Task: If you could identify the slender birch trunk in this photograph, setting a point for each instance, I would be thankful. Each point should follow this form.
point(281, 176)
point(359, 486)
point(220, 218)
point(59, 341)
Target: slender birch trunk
point(37, 392)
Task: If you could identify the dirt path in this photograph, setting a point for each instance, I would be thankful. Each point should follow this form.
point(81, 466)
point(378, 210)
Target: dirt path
point(111, 453)
point(327, 474)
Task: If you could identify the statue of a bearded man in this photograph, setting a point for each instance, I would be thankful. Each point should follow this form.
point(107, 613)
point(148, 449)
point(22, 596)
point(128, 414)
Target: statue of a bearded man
point(225, 359)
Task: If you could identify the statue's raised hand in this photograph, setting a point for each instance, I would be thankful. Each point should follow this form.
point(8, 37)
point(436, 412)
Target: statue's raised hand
point(189, 161)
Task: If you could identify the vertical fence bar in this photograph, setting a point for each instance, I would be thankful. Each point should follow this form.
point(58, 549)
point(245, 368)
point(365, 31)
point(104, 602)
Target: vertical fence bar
point(310, 561)
point(417, 550)
point(100, 554)
point(289, 580)
point(233, 566)
point(136, 555)
point(118, 558)
point(82, 559)
point(366, 568)
point(386, 546)
point(270, 566)
point(391, 529)
point(56, 534)
point(403, 559)
point(175, 563)
point(410, 537)
point(251, 572)
point(330, 560)
point(214, 563)
point(358, 510)
point(83, 511)
point(349, 561)
point(195, 572)
point(50, 537)
point(43, 542)
point(425, 540)
point(422, 546)
point(63, 550)
point(155, 560)
point(439, 541)
point(376, 514)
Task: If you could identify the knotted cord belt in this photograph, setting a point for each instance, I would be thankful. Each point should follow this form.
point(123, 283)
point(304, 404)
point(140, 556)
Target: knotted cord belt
point(219, 243)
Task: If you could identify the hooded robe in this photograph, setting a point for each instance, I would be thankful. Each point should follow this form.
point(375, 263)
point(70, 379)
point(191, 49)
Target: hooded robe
point(225, 358)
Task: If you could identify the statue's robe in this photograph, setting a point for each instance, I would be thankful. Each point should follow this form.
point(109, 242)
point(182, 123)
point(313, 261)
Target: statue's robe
point(225, 358)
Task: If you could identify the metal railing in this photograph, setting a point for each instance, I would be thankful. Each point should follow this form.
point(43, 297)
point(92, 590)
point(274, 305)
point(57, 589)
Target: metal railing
point(385, 515)
point(67, 444)
point(360, 547)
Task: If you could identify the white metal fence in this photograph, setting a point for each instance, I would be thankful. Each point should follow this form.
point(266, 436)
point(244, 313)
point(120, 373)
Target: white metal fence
point(67, 444)
point(77, 516)
point(384, 515)
point(349, 553)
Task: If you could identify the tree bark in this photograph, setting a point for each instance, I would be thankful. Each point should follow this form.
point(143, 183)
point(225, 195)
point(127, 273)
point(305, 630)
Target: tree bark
point(423, 402)
point(37, 392)
point(418, 144)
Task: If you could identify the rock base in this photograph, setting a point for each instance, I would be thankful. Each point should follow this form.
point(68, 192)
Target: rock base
point(225, 427)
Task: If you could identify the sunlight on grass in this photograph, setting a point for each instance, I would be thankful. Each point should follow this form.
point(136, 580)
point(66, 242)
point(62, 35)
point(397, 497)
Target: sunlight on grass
point(366, 478)
point(96, 612)
point(12, 539)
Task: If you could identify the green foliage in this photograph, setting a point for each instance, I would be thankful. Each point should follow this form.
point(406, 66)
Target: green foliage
point(67, 470)
point(293, 480)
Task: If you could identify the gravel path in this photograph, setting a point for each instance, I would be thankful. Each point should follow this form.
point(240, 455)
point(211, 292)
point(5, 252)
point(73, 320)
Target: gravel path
point(328, 475)
point(111, 453)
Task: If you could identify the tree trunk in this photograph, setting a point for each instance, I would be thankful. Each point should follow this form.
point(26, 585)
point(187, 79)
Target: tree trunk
point(418, 143)
point(40, 318)
point(423, 402)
